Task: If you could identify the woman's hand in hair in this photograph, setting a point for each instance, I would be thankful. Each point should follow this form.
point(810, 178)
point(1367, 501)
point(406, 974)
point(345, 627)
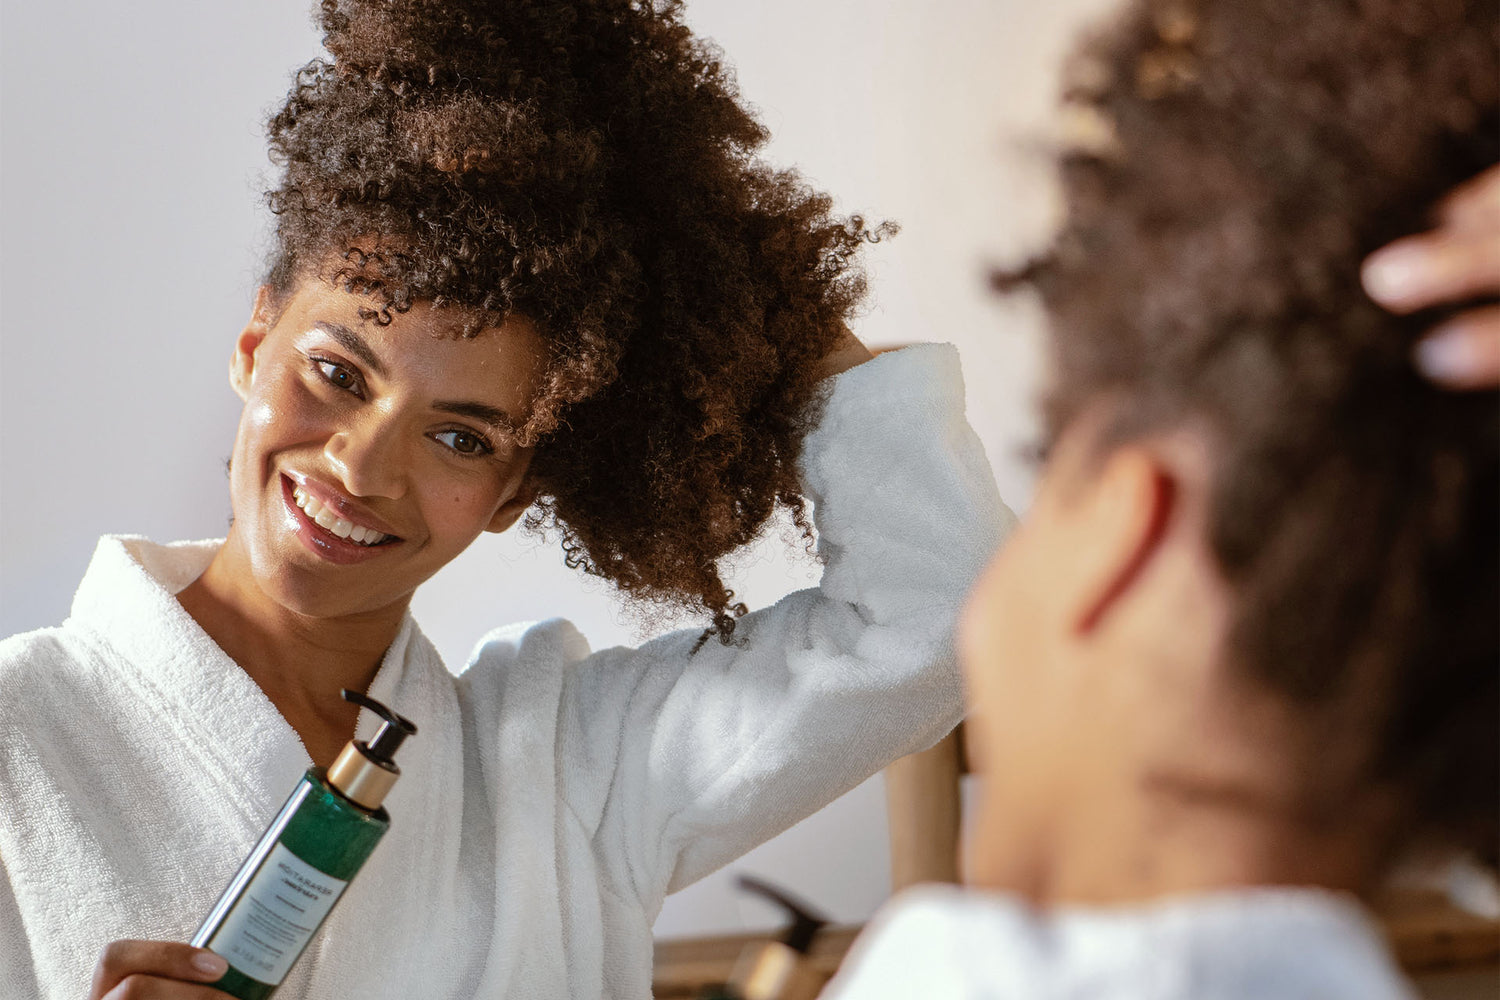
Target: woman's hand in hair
point(1455, 262)
point(848, 352)
point(160, 970)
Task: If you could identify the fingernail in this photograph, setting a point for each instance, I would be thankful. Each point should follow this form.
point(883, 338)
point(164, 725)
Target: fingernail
point(1393, 275)
point(210, 964)
point(1446, 355)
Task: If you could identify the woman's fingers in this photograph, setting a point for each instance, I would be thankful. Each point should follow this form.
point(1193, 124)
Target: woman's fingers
point(1457, 262)
point(1464, 353)
point(1444, 266)
point(138, 987)
point(1474, 205)
point(129, 970)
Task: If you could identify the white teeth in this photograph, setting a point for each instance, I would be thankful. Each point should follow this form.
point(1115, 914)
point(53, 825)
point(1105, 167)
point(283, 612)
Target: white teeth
point(332, 523)
point(307, 503)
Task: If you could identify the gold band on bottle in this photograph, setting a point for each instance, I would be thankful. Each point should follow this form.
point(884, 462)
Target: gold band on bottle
point(363, 782)
point(774, 971)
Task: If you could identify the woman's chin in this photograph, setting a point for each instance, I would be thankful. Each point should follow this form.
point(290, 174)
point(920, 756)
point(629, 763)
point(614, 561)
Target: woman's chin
point(317, 590)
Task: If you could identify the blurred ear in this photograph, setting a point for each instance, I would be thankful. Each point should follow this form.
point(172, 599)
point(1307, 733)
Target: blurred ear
point(242, 361)
point(1122, 514)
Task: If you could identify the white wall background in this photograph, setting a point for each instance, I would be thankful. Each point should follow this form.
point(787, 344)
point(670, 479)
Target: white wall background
point(131, 231)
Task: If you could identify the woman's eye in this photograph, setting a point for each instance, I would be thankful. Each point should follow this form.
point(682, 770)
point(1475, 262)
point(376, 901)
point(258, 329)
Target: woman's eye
point(337, 375)
point(464, 442)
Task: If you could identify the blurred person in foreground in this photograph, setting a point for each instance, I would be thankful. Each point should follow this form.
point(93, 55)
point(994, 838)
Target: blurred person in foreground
point(1242, 655)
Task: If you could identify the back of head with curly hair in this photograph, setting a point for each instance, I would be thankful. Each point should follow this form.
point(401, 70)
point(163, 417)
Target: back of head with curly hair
point(586, 163)
point(1243, 157)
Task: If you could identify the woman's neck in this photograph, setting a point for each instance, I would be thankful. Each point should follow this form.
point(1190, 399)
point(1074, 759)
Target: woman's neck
point(1173, 834)
point(300, 663)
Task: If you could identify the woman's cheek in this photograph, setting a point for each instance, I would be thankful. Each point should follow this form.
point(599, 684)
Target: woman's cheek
point(467, 502)
point(446, 507)
point(294, 412)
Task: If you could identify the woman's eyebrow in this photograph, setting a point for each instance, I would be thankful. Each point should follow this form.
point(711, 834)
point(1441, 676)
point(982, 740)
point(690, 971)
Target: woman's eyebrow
point(354, 344)
point(492, 415)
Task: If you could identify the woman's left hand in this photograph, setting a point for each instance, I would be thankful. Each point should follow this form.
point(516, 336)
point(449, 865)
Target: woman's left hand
point(1458, 260)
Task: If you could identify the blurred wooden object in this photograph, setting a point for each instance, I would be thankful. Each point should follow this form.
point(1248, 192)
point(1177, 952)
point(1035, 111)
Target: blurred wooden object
point(688, 967)
point(922, 812)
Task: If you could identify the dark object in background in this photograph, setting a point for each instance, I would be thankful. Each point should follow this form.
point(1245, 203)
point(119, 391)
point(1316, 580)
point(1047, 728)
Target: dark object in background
point(776, 970)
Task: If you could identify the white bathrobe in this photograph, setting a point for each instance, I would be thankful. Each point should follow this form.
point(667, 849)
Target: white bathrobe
point(553, 796)
point(943, 943)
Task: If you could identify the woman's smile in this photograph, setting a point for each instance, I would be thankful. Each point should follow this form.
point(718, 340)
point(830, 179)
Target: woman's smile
point(331, 525)
point(328, 516)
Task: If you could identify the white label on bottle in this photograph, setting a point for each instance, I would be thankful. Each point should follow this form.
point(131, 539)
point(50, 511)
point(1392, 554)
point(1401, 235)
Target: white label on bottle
point(276, 916)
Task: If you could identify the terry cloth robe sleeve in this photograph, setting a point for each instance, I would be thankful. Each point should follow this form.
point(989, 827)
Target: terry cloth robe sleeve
point(717, 751)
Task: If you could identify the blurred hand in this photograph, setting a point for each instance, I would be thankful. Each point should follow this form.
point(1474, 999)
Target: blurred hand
point(159, 970)
point(1458, 260)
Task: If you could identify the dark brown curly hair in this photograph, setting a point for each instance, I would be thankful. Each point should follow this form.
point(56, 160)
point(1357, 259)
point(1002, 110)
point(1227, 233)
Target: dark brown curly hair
point(1235, 161)
point(586, 163)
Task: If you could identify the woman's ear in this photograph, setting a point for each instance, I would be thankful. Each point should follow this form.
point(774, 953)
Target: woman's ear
point(511, 510)
point(242, 361)
point(1124, 517)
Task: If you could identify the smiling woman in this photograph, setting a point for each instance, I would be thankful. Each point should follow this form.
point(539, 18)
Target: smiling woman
point(526, 267)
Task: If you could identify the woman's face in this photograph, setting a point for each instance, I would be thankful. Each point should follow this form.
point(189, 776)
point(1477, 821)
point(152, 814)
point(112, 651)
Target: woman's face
point(369, 456)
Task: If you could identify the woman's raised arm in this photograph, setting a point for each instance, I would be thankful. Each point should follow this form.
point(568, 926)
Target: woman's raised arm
point(707, 753)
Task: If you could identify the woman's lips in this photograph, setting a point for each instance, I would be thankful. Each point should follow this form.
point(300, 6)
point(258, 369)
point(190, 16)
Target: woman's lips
point(323, 542)
point(339, 506)
point(332, 520)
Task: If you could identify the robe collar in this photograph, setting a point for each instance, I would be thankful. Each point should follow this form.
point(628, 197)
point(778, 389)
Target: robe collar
point(185, 682)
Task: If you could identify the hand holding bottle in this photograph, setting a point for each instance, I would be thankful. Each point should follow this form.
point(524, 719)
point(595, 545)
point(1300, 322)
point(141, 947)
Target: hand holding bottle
point(156, 970)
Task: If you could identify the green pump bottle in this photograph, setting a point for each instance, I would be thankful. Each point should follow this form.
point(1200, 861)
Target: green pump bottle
point(303, 862)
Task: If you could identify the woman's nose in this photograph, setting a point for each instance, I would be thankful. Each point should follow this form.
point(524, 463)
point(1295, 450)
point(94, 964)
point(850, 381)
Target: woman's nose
point(369, 458)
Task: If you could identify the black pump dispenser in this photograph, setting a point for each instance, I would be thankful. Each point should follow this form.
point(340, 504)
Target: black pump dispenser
point(805, 924)
point(365, 772)
point(382, 749)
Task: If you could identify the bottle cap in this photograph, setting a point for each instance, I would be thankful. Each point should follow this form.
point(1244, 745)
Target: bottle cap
point(391, 735)
point(366, 772)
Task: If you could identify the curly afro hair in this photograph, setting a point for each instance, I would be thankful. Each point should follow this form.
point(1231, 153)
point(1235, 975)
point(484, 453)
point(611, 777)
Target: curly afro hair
point(588, 164)
point(1234, 162)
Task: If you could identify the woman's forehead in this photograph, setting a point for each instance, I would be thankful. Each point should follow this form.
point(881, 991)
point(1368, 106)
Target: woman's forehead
point(371, 311)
